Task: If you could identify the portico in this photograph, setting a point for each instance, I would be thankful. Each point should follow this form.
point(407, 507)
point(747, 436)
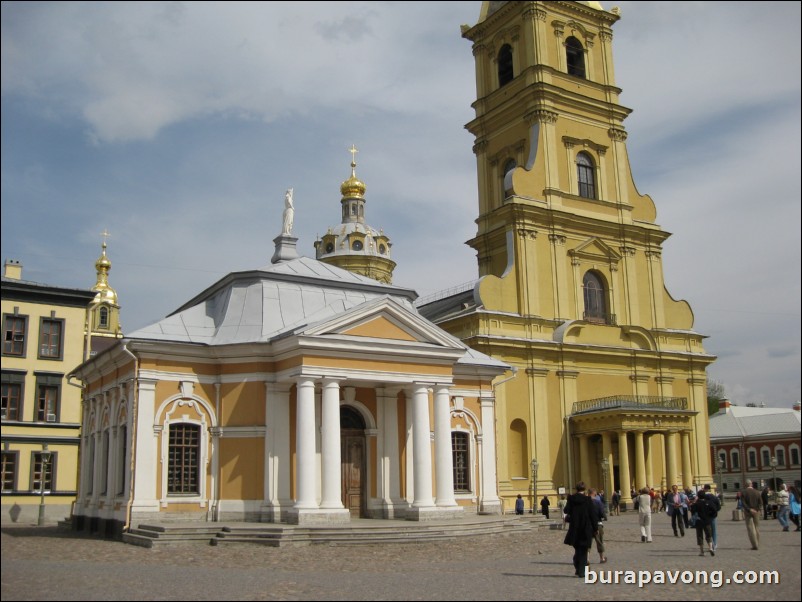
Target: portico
point(645, 439)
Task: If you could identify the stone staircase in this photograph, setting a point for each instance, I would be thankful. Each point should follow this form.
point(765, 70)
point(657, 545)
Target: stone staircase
point(359, 532)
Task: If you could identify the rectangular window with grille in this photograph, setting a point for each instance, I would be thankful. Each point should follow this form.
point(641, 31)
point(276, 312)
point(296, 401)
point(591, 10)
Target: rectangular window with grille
point(12, 396)
point(9, 461)
point(459, 449)
point(37, 475)
point(50, 335)
point(752, 459)
point(183, 476)
point(766, 458)
point(14, 329)
point(780, 457)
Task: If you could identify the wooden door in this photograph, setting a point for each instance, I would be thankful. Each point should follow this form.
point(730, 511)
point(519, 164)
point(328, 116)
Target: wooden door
point(353, 473)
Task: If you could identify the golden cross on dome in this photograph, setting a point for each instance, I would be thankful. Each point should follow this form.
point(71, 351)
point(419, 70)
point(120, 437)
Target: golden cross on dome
point(105, 234)
point(353, 152)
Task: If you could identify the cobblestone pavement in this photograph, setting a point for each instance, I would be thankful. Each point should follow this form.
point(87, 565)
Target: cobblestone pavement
point(45, 563)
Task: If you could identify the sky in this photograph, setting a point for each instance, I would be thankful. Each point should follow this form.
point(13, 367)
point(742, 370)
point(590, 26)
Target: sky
point(179, 126)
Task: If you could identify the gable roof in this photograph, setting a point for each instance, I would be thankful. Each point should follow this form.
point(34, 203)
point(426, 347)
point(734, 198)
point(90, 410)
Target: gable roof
point(739, 422)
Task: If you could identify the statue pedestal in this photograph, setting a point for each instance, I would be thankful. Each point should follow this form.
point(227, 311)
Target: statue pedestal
point(285, 248)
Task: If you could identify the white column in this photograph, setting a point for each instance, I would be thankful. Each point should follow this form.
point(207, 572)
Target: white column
point(489, 502)
point(422, 448)
point(305, 444)
point(331, 492)
point(444, 458)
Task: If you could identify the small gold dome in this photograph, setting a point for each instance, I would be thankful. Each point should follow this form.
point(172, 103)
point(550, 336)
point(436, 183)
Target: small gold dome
point(353, 187)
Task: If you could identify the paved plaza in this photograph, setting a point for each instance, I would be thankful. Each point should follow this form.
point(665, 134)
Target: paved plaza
point(46, 563)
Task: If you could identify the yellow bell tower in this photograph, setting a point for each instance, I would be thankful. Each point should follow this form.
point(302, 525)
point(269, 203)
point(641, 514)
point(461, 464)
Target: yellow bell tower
point(103, 313)
point(610, 376)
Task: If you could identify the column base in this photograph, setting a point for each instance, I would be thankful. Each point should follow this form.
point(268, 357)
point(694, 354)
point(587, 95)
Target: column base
point(432, 513)
point(317, 516)
point(491, 507)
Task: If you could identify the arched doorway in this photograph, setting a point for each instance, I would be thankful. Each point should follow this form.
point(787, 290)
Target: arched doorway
point(354, 461)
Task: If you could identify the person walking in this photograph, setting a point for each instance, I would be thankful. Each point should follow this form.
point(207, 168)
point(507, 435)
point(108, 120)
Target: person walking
point(519, 504)
point(714, 506)
point(794, 506)
point(783, 509)
point(598, 536)
point(645, 515)
point(583, 520)
point(678, 509)
point(544, 506)
point(701, 516)
point(752, 503)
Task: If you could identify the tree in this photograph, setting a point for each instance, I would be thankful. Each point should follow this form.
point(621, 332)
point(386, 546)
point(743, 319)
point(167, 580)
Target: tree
point(715, 394)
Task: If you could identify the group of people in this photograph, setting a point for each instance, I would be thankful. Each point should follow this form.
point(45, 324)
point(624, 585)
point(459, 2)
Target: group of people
point(585, 511)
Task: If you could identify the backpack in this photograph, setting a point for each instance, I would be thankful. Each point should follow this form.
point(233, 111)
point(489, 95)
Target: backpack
point(712, 505)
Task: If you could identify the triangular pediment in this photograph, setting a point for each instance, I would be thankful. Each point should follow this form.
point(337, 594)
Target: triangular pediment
point(595, 249)
point(384, 319)
point(381, 327)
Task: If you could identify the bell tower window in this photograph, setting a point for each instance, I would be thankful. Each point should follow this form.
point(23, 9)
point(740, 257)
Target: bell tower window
point(595, 302)
point(586, 176)
point(575, 57)
point(505, 73)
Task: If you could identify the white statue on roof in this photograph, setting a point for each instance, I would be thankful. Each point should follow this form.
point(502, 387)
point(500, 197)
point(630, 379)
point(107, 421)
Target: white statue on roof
point(289, 213)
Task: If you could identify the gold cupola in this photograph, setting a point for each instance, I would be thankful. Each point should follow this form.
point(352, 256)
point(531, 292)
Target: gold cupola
point(353, 245)
point(102, 288)
point(353, 187)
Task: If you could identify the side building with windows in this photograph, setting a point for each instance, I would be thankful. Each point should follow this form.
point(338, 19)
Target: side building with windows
point(756, 444)
point(610, 380)
point(43, 339)
point(299, 392)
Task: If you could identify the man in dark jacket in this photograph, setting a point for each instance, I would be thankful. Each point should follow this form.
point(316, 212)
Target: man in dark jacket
point(583, 519)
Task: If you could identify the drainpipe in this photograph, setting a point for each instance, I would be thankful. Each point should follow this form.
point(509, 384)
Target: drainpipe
point(134, 409)
point(80, 446)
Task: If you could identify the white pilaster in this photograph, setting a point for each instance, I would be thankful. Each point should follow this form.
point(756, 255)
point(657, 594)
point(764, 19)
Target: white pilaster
point(146, 449)
point(489, 502)
point(277, 450)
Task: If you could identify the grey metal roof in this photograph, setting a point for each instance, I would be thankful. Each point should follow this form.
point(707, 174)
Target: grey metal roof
point(741, 422)
point(257, 306)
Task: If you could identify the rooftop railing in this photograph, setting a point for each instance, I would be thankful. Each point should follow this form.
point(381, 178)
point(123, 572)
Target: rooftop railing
point(631, 402)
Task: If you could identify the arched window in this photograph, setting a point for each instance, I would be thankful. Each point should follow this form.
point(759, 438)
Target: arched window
point(461, 459)
point(505, 73)
point(595, 302)
point(736, 459)
point(586, 176)
point(183, 468)
point(575, 57)
point(351, 418)
point(104, 317)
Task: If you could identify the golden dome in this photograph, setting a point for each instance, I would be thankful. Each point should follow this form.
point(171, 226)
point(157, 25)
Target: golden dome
point(353, 187)
point(102, 288)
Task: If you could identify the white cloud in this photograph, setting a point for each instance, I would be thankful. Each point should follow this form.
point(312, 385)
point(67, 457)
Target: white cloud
point(179, 125)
